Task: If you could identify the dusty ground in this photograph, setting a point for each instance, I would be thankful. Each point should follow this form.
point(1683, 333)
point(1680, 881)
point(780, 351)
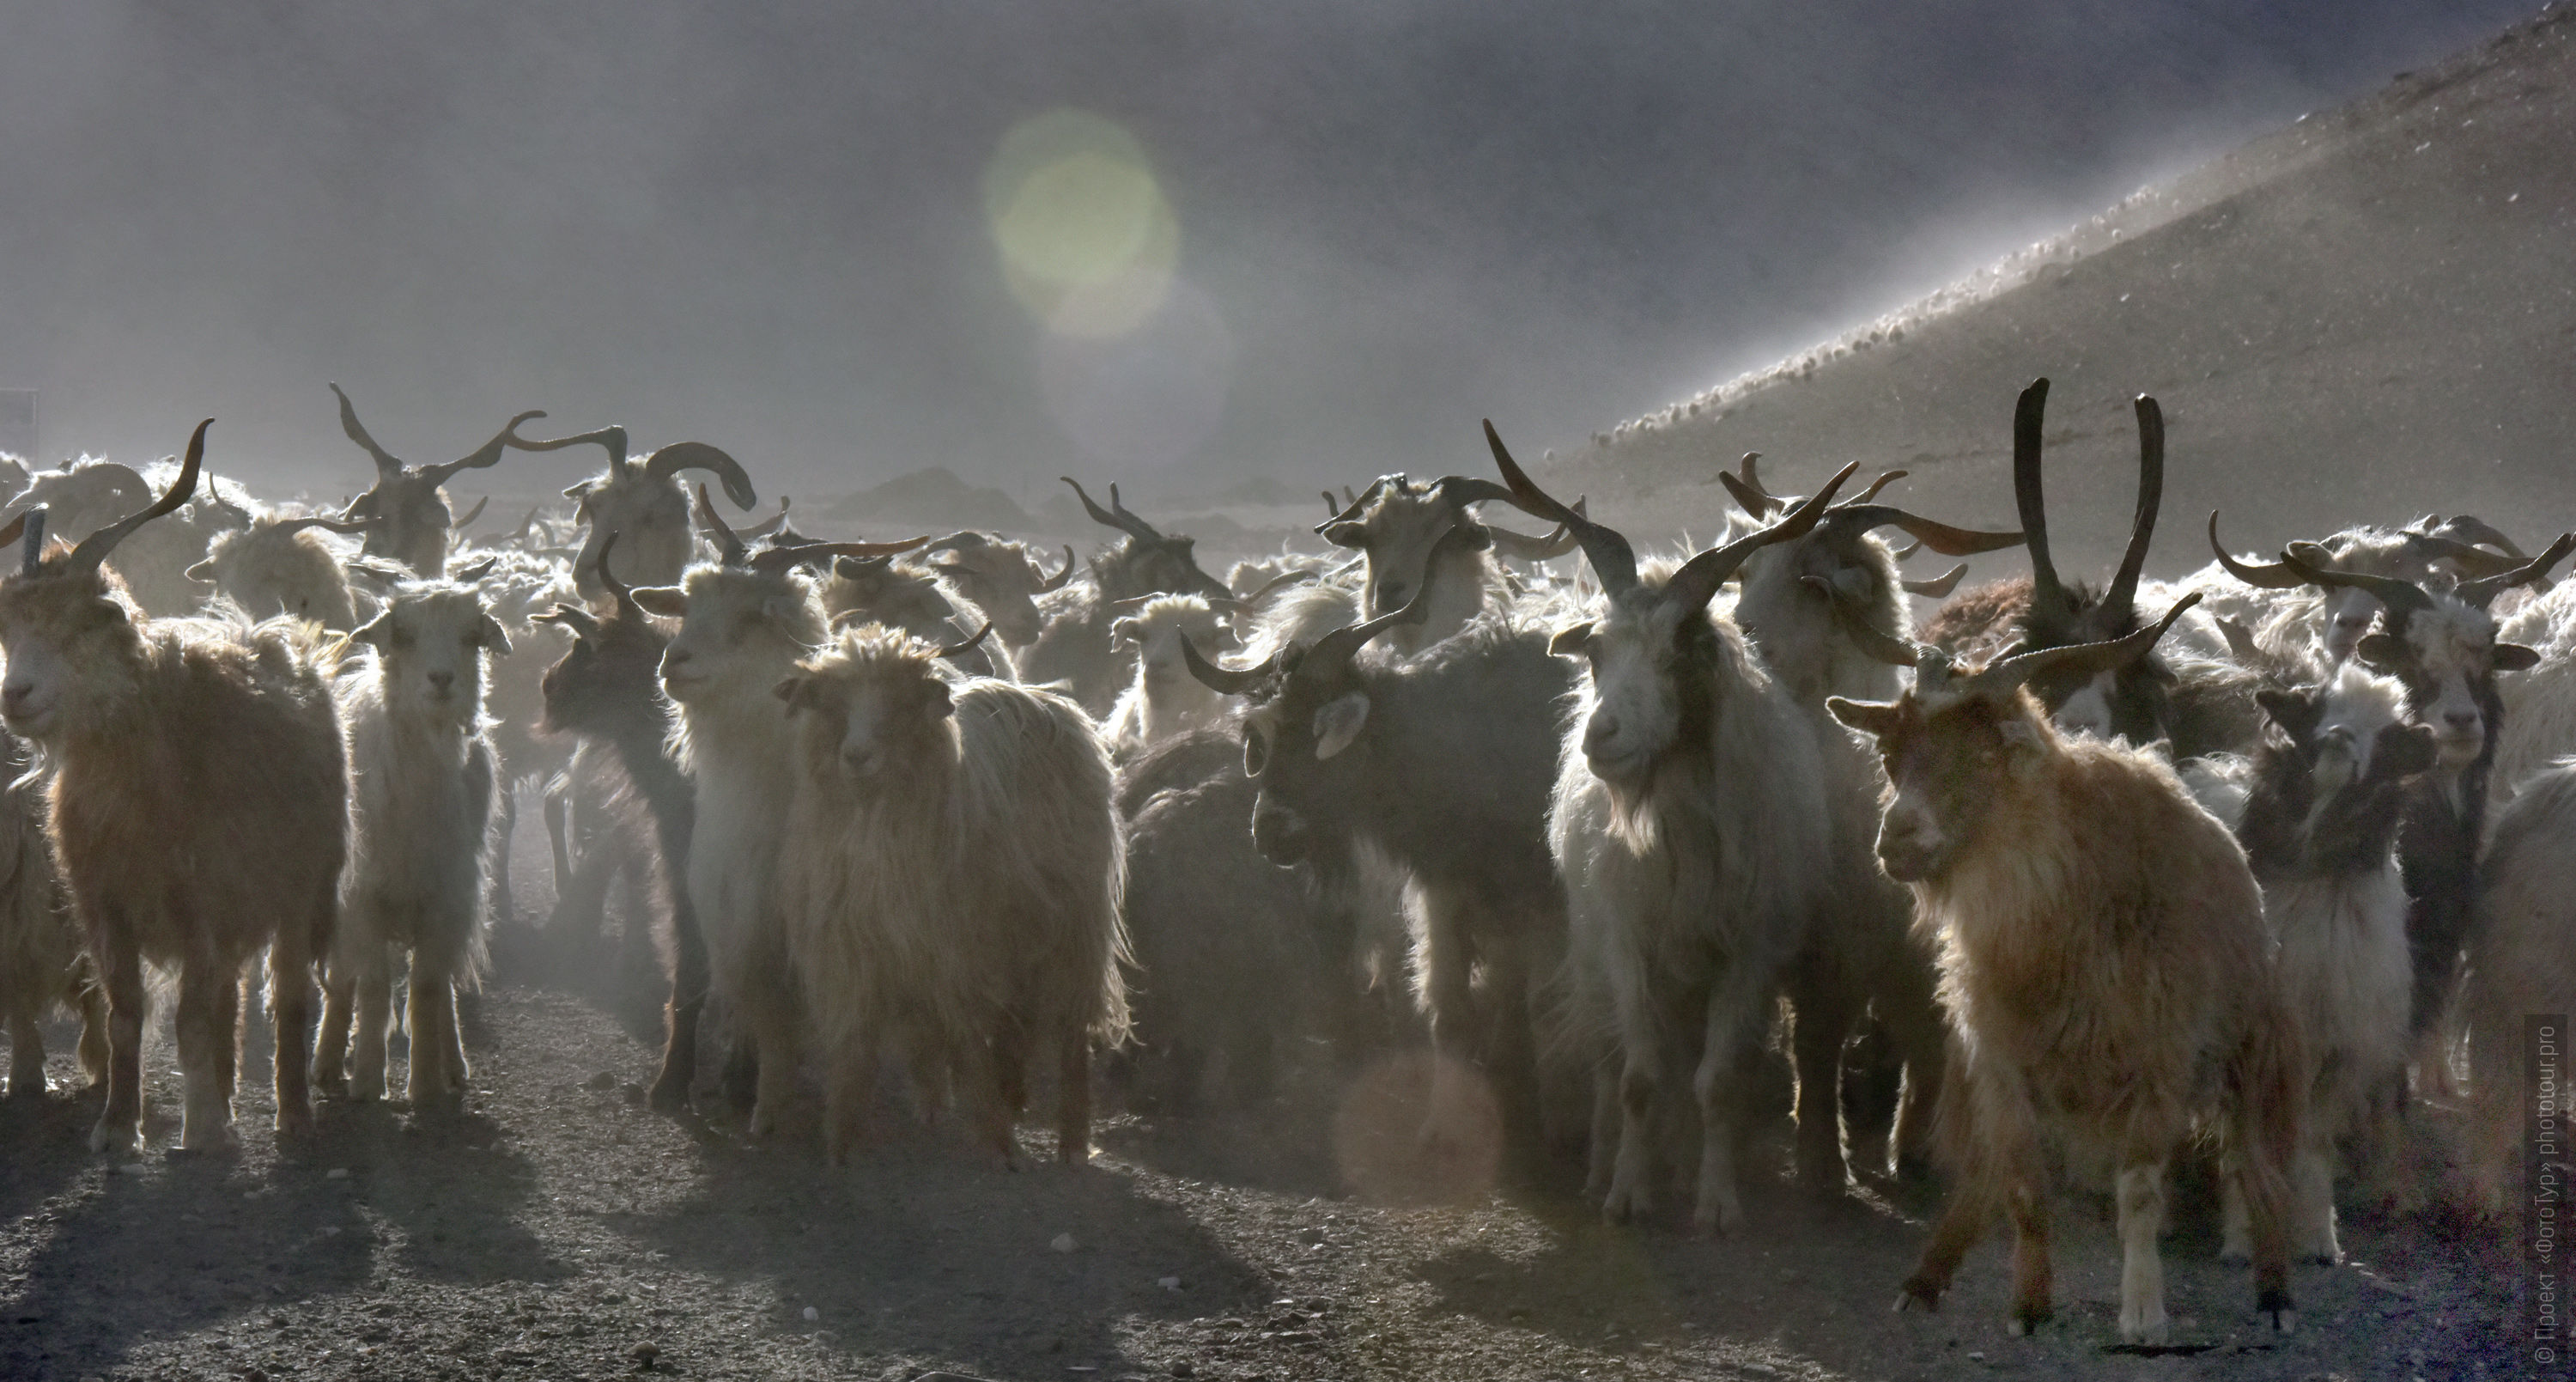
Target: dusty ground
point(556, 1227)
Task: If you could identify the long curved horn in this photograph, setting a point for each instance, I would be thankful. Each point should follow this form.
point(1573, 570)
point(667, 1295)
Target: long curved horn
point(31, 524)
point(2001, 678)
point(460, 525)
point(526, 526)
point(2483, 591)
point(484, 456)
point(2468, 528)
point(1866, 636)
point(1697, 582)
point(618, 590)
point(729, 548)
point(1937, 588)
point(772, 525)
point(343, 526)
point(582, 622)
point(386, 466)
point(697, 455)
point(1940, 537)
point(1523, 547)
point(2274, 576)
point(1612, 559)
point(94, 549)
point(609, 439)
point(1358, 502)
point(2400, 598)
point(1056, 581)
point(961, 649)
point(1274, 585)
point(1885, 478)
point(1752, 501)
point(2477, 561)
point(2120, 600)
point(1337, 648)
point(472, 574)
point(780, 558)
point(1225, 681)
point(1116, 516)
point(2047, 596)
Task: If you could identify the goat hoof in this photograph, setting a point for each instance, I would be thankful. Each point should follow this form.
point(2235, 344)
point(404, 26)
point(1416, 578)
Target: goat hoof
point(2275, 1307)
point(1919, 1294)
point(2025, 1323)
point(2285, 1321)
point(109, 1139)
point(2152, 1332)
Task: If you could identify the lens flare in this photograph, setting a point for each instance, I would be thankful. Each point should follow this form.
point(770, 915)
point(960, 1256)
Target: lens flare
point(1088, 241)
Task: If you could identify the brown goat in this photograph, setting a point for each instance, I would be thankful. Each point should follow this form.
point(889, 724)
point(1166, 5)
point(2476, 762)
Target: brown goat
point(2105, 966)
point(199, 808)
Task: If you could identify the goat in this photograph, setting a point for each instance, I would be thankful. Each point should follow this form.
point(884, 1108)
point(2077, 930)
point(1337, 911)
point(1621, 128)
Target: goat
point(877, 590)
point(405, 510)
point(423, 794)
point(643, 502)
point(1444, 763)
point(1798, 596)
point(282, 565)
point(1164, 699)
point(2319, 830)
point(1686, 892)
point(2539, 705)
point(1002, 579)
point(2336, 618)
point(605, 690)
point(745, 620)
point(2443, 649)
point(2521, 969)
point(2104, 965)
point(1396, 523)
point(1074, 647)
point(199, 810)
point(951, 873)
point(90, 494)
point(41, 964)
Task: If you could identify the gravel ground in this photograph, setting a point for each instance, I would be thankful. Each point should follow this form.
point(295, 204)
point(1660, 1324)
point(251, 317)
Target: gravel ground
point(556, 1228)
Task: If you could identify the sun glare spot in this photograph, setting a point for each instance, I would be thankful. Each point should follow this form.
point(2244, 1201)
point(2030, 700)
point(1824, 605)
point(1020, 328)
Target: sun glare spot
point(1088, 241)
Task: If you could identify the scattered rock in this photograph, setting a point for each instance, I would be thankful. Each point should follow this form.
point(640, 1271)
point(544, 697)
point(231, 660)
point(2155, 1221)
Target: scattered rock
point(336, 1173)
point(603, 1082)
point(643, 1355)
point(634, 1092)
point(1168, 1283)
point(812, 1314)
point(1064, 1243)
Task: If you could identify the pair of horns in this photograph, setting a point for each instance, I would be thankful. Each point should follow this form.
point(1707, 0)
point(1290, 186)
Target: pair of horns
point(1334, 650)
point(1116, 515)
point(663, 464)
point(389, 468)
point(732, 551)
point(2052, 610)
point(92, 550)
point(960, 541)
point(2402, 599)
point(1935, 677)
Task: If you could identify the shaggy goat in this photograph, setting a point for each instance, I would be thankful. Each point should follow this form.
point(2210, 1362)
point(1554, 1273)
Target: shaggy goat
point(605, 690)
point(1686, 891)
point(1808, 601)
point(2104, 963)
point(745, 620)
point(283, 566)
point(405, 509)
point(2274, 601)
point(1073, 648)
point(2319, 831)
point(1003, 579)
point(2522, 967)
point(423, 795)
point(1397, 522)
point(950, 876)
point(199, 811)
point(878, 590)
point(1444, 763)
point(643, 502)
point(1164, 699)
point(41, 965)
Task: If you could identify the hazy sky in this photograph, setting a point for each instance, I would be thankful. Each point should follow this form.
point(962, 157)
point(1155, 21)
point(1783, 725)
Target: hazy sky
point(1357, 227)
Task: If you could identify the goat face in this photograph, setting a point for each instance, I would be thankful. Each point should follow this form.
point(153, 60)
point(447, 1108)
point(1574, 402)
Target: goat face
point(1154, 634)
point(408, 517)
point(430, 640)
point(738, 630)
point(1306, 749)
point(1395, 535)
point(1164, 566)
point(1946, 765)
point(2330, 785)
point(610, 669)
point(2447, 658)
point(1650, 659)
point(871, 710)
point(69, 643)
point(649, 514)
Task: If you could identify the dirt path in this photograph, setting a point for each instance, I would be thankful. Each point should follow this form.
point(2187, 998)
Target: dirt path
point(556, 1226)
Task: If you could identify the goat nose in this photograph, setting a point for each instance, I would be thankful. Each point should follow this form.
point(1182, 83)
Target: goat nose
point(1603, 729)
point(442, 680)
point(2460, 719)
point(14, 694)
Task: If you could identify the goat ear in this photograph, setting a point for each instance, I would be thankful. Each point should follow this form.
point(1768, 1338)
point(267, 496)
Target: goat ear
point(2381, 652)
point(494, 637)
point(1571, 641)
point(1874, 718)
point(1256, 750)
point(579, 491)
point(786, 690)
point(2294, 713)
point(1346, 535)
point(2405, 750)
point(1339, 722)
point(203, 572)
point(1122, 630)
point(2513, 657)
point(666, 600)
point(372, 632)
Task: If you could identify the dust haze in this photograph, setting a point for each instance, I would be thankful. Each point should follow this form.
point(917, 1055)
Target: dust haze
point(776, 229)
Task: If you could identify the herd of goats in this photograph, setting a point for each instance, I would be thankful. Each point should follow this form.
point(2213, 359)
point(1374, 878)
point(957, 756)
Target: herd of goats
point(2071, 879)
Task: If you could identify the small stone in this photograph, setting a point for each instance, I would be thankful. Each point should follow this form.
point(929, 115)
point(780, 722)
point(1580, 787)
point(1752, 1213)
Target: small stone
point(1168, 1283)
point(812, 1314)
point(336, 1173)
point(1976, 1355)
point(634, 1092)
point(330, 1230)
point(603, 1082)
point(643, 1354)
point(1063, 1243)
point(1182, 1370)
